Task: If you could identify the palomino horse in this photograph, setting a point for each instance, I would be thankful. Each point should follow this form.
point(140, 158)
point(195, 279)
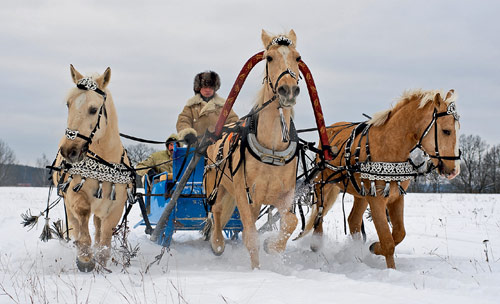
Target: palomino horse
point(264, 157)
point(96, 175)
point(421, 126)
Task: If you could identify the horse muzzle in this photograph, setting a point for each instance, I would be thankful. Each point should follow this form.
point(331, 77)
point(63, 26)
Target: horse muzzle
point(287, 95)
point(73, 153)
point(447, 173)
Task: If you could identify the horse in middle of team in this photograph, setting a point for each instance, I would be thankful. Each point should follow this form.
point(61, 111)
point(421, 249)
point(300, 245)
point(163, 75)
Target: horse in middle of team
point(262, 169)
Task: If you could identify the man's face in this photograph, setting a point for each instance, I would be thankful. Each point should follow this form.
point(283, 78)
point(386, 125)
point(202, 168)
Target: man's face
point(207, 92)
point(171, 146)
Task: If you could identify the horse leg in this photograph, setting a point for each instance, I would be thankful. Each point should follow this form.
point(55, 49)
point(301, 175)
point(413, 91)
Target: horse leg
point(326, 198)
point(250, 234)
point(396, 214)
point(224, 203)
point(84, 260)
point(103, 248)
point(97, 234)
point(73, 225)
point(385, 245)
point(288, 223)
point(355, 218)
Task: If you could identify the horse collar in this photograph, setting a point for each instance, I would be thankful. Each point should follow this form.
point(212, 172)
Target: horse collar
point(270, 156)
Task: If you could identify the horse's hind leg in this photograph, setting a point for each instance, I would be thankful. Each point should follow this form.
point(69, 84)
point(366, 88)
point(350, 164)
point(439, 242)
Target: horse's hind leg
point(355, 218)
point(220, 210)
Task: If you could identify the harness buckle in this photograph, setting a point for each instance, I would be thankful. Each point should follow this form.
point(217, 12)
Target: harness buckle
point(71, 134)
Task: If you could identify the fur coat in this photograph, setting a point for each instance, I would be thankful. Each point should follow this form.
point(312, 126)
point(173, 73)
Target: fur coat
point(154, 159)
point(199, 115)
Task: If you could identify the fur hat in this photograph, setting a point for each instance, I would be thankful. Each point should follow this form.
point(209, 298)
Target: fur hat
point(206, 79)
point(172, 138)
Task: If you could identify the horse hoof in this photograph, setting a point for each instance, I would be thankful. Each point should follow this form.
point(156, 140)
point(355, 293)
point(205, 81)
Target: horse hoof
point(85, 266)
point(217, 249)
point(316, 243)
point(372, 247)
point(266, 247)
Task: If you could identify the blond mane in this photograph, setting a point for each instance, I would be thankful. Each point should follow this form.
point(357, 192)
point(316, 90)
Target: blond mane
point(415, 95)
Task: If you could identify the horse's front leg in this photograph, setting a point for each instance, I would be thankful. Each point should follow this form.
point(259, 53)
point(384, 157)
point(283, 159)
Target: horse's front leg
point(288, 223)
point(326, 195)
point(385, 246)
point(396, 214)
point(80, 209)
point(250, 234)
point(107, 224)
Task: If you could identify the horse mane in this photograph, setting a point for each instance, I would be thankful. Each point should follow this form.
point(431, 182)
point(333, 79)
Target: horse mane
point(423, 97)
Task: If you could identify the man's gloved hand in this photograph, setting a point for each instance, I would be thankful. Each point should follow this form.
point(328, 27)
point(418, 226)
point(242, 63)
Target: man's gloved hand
point(190, 139)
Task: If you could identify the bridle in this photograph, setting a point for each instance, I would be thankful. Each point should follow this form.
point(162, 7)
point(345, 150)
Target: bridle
point(281, 40)
point(88, 84)
point(451, 110)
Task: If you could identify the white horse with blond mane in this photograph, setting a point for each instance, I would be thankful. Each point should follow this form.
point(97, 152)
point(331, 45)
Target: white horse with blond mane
point(95, 176)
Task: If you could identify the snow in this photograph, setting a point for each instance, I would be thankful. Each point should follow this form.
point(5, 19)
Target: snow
point(441, 260)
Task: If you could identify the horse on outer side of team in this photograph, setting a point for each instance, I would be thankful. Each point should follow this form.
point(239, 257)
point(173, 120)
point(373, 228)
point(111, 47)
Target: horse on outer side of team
point(264, 156)
point(96, 171)
point(422, 122)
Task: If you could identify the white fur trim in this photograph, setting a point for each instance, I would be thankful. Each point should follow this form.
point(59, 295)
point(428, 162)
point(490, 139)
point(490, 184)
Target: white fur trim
point(196, 99)
point(185, 132)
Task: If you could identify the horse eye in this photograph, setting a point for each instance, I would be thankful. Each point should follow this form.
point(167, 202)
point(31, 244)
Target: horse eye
point(299, 59)
point(92, 111)
point(447, 132)
point(67, 104)
point(269, 58)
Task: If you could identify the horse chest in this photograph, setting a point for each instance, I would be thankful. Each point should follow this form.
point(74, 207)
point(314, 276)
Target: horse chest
point(269, 183)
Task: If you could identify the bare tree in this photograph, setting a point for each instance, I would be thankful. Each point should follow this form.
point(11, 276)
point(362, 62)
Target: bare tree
point(7, 158)
point(42, 177)
point(472, 177)
point(138, 153)
point(492, 165)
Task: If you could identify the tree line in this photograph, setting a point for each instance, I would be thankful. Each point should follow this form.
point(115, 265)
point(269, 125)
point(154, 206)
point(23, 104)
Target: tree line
point(479, 168)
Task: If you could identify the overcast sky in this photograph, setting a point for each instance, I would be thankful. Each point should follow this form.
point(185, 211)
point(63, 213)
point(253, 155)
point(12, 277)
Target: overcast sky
point(362, 54)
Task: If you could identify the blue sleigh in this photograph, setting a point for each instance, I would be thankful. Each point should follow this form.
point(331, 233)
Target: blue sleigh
point(191, 210)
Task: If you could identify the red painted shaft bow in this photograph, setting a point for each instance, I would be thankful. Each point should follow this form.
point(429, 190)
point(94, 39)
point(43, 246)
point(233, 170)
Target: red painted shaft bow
point(313, 94)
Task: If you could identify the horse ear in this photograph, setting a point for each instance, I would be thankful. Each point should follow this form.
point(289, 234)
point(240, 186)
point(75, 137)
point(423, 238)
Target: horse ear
point(75, 75)
point(103, 80)
point(266, 38)
point(293, 37)
point(449, 94)
point(438, 99)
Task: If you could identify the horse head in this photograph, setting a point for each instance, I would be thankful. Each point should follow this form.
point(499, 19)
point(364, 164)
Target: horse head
point(282, 66)
point(87, 114)
point(440, 140)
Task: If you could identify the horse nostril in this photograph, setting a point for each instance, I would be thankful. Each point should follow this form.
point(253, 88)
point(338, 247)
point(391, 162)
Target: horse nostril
point(284, 90)
point(296, 91)
point(73, 154)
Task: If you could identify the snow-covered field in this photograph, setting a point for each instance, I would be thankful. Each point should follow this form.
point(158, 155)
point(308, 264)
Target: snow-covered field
point(444, 258)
